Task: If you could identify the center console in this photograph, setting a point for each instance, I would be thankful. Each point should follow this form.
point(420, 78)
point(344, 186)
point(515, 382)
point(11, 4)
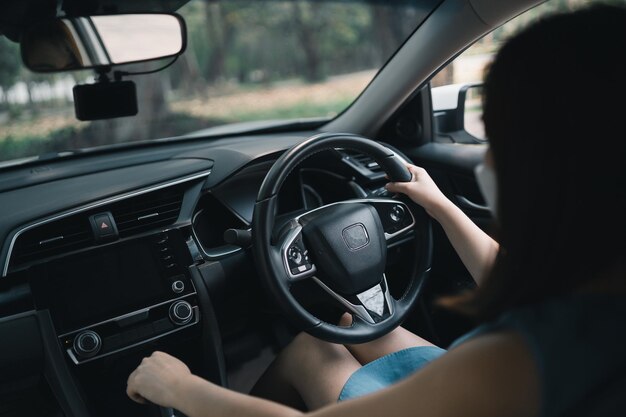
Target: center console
point(112, 305)
point(118, 296)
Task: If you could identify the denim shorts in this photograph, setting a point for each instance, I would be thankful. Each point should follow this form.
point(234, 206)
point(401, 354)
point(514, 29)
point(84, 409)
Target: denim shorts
point(388, 370)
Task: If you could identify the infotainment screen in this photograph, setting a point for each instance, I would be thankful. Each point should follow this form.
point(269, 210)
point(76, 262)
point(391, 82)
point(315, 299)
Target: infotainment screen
point(102, 283)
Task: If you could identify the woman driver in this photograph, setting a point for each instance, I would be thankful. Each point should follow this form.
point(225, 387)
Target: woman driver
point(552, 295)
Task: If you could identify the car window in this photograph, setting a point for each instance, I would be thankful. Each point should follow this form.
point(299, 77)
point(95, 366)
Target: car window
point(465, 72)
point(244, 62)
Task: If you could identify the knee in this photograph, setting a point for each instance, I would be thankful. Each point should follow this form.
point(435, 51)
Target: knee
point(303, 345)
point(306, 349)
point(316, 369)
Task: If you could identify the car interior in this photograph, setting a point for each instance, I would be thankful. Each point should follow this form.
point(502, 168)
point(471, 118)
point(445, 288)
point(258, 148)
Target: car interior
point(220, 246)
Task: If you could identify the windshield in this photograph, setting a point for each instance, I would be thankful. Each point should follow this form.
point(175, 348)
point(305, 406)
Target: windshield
point(283, 60)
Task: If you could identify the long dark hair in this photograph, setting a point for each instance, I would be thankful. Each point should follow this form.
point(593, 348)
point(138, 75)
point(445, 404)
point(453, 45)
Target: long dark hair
point(555, 116)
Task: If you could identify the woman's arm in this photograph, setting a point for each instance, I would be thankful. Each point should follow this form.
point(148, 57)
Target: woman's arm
point(202, 398)
point(476, 248)
point(164, 380)
point(491, 375)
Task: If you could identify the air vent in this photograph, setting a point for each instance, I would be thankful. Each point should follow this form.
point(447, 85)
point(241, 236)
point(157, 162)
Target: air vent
point(61, 236)
point(147, 211)
point(133, 215)
point(362, 160)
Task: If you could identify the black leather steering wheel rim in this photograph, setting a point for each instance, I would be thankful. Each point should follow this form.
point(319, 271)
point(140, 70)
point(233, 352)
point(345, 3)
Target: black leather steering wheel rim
point(269, 262)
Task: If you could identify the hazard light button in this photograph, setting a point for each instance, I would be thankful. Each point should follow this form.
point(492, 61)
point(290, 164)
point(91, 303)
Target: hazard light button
point(103, 226)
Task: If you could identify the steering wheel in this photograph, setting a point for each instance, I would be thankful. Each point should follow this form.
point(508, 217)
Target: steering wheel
point(341, 246)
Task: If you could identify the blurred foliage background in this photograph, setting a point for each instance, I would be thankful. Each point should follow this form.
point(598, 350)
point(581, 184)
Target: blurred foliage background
point(244, 62)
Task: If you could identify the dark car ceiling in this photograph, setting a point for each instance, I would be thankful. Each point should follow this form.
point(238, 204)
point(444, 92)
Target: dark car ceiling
point(17, 14)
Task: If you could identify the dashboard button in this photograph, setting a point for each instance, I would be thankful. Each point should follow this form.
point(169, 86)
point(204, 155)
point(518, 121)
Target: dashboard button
point(87, 344)
point(103, 226)
point(178, 286)
point(181, 312)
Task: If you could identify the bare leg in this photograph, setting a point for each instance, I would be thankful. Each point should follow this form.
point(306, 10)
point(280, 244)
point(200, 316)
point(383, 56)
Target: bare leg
point(308, 370)
point(398, 339)
point(312, 372)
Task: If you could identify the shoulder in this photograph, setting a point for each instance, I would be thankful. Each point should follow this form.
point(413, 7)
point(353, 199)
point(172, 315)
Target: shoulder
point(498, 354)
point(494, 372)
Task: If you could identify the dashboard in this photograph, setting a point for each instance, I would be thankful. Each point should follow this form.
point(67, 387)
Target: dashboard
point(108, 257)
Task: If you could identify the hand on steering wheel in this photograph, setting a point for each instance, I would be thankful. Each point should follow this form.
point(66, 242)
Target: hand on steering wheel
point(341, 246)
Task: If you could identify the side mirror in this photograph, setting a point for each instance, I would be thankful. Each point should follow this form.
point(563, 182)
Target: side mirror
point(471, 109)
point(457, 112)
point(75, 43)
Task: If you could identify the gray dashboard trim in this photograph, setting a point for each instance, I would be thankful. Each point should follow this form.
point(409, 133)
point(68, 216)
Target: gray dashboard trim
point(196, 320)
point(18, 316)
point(124, 196)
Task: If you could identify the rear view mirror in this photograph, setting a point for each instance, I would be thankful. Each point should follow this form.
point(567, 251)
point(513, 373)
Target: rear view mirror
point(76, 43)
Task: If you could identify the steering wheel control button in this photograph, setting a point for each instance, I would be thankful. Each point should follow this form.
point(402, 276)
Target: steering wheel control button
point(103, 227)
point(394, 216)
point(178, 286)
point(181, 313)
point(87, 344)
point(301, 269)
point(298, 258)
point(295, 255)
point(380, 192)
point(397, 213)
